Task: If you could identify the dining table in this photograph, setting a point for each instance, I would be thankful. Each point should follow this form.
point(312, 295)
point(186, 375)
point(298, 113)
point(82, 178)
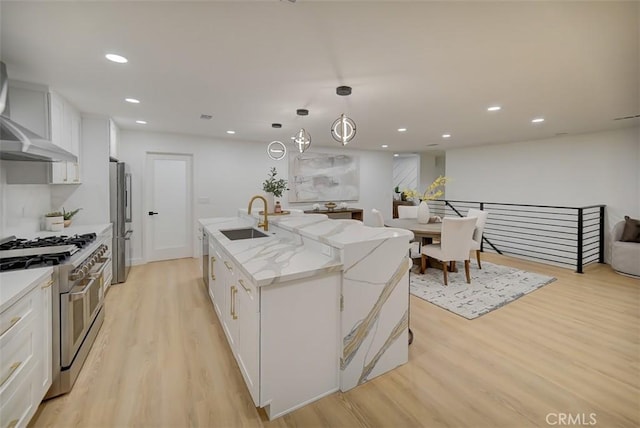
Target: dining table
point(425, 231)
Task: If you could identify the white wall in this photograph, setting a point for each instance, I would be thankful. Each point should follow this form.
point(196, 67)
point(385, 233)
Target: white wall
point(406, 172)
point(228, 172)
point(22, 206)
point(578, 170)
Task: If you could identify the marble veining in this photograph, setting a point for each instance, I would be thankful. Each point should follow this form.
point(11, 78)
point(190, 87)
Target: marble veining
point(396, 333)
point(354, 339)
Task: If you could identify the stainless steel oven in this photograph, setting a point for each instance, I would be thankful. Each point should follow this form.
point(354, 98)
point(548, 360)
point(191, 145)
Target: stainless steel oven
point(79, 308)
point(78, 314)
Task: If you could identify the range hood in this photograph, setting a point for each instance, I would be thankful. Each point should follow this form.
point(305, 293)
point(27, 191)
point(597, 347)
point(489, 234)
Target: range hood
point(19, 143)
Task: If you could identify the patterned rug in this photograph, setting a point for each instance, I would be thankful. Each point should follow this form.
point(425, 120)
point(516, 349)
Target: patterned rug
point(491, 287)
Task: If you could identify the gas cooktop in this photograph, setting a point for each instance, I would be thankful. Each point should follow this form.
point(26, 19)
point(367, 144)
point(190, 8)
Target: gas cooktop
point(49, 251)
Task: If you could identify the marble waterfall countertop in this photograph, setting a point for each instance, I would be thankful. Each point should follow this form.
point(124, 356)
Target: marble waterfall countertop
point(289, 256)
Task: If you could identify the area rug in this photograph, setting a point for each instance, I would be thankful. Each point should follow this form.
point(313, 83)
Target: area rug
point(491, 287)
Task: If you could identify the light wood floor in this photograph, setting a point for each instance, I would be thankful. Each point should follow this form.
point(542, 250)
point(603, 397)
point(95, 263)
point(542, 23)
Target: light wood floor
point(573, 346)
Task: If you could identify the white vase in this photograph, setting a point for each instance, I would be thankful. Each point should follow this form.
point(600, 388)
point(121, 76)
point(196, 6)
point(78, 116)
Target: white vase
point(423, 212)
point(270, 201)
point(54, 224)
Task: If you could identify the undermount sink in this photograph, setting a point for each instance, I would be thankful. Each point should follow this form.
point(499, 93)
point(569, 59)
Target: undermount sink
point(246, 233)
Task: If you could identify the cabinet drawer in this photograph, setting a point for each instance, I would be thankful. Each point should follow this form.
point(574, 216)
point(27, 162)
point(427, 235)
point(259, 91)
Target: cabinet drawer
point(16, 352)
point(16, 315)
point(17, 404)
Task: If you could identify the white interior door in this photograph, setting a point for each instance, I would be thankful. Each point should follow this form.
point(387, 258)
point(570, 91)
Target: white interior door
point(168, 206)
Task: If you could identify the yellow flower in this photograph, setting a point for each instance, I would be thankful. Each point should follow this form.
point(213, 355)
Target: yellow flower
point(433, 191)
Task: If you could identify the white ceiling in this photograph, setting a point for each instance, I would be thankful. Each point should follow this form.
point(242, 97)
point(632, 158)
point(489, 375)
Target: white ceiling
point(431, 67)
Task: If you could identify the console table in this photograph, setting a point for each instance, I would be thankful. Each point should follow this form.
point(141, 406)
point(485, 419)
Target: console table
point(395, 206)
point(348, 213)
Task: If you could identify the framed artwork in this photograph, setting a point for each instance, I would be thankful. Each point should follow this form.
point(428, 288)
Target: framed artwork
point(318, 177)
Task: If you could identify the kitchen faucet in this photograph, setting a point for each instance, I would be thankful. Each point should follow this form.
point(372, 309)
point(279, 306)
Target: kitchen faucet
point(264, 223)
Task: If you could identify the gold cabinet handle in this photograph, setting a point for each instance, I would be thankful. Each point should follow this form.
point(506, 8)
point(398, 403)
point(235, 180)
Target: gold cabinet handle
point(248, 290)
point(47, 285)
point(213, 260)
point(13, 321)
point(12, 369)
point(226, 263)
point(234, 291)
point(13, 423)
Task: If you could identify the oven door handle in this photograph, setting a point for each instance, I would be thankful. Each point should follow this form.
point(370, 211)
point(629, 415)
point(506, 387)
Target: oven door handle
point(94, 277)
point(80, 294)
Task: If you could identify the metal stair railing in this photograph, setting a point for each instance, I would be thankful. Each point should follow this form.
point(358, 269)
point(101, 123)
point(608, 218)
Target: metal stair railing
point(558, 235)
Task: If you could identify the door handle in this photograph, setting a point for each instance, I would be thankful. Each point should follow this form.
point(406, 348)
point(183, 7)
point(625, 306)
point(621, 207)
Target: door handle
point(152, 213)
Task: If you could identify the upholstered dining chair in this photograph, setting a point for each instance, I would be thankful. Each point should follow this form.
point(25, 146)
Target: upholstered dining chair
point(411, 211)
point(407, 211)
point(455, 244)
point(378, 220)
point(477, 234)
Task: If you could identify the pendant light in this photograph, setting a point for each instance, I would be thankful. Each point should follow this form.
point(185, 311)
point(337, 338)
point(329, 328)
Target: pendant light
point(302, 139)
point(343, 128)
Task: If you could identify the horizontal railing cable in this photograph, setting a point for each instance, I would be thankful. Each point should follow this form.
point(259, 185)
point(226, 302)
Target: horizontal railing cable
point(567, 236)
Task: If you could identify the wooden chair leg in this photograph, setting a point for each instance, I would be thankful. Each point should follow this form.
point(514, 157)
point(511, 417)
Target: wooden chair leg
point(478, 257)
point(466, 270)
point(444, 271)
point(423, 264)
point(452, 266)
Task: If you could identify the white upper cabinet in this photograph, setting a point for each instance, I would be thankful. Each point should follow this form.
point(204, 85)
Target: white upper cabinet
point(53, 118)
point(29, 103)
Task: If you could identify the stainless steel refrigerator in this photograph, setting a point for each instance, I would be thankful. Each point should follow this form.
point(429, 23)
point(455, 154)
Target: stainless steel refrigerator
point(120, 207)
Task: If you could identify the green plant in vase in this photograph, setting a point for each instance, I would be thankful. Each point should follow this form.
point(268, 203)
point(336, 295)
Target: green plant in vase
point(68, 215)
point(273, 187)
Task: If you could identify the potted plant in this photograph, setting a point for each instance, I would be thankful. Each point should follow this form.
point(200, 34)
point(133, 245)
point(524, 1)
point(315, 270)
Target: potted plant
point(273, 187)
point(54, 221)
point(68, 215)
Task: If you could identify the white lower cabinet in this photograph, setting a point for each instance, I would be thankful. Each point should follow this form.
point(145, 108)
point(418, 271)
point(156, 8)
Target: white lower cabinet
point(216, 277)
point(284, 337)
point(25, 355)
point(247, 308)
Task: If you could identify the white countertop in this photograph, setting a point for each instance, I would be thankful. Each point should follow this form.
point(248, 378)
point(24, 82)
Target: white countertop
point(69, 231)
point(285, 257)
point(334, 232)
point(17, 283)
point(273, 259)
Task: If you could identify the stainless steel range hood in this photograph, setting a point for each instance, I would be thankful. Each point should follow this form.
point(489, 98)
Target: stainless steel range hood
point(19, 143)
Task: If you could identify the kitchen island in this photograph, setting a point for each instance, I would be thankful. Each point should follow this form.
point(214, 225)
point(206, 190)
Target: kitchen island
point(316, 306)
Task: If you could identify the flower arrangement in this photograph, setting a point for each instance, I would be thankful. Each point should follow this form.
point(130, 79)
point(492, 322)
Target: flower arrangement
point(271, 185)
point(433, 192)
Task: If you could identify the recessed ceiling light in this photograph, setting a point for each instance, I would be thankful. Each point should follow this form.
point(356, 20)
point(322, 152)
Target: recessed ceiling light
point(537, 120)
point(402, 129)
point(446, 135)
point(395, 155)
point(494, 108)
point(231, 132)
point(141, 122)
point(116, 58)
point(132, 100)
point(384, 146)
